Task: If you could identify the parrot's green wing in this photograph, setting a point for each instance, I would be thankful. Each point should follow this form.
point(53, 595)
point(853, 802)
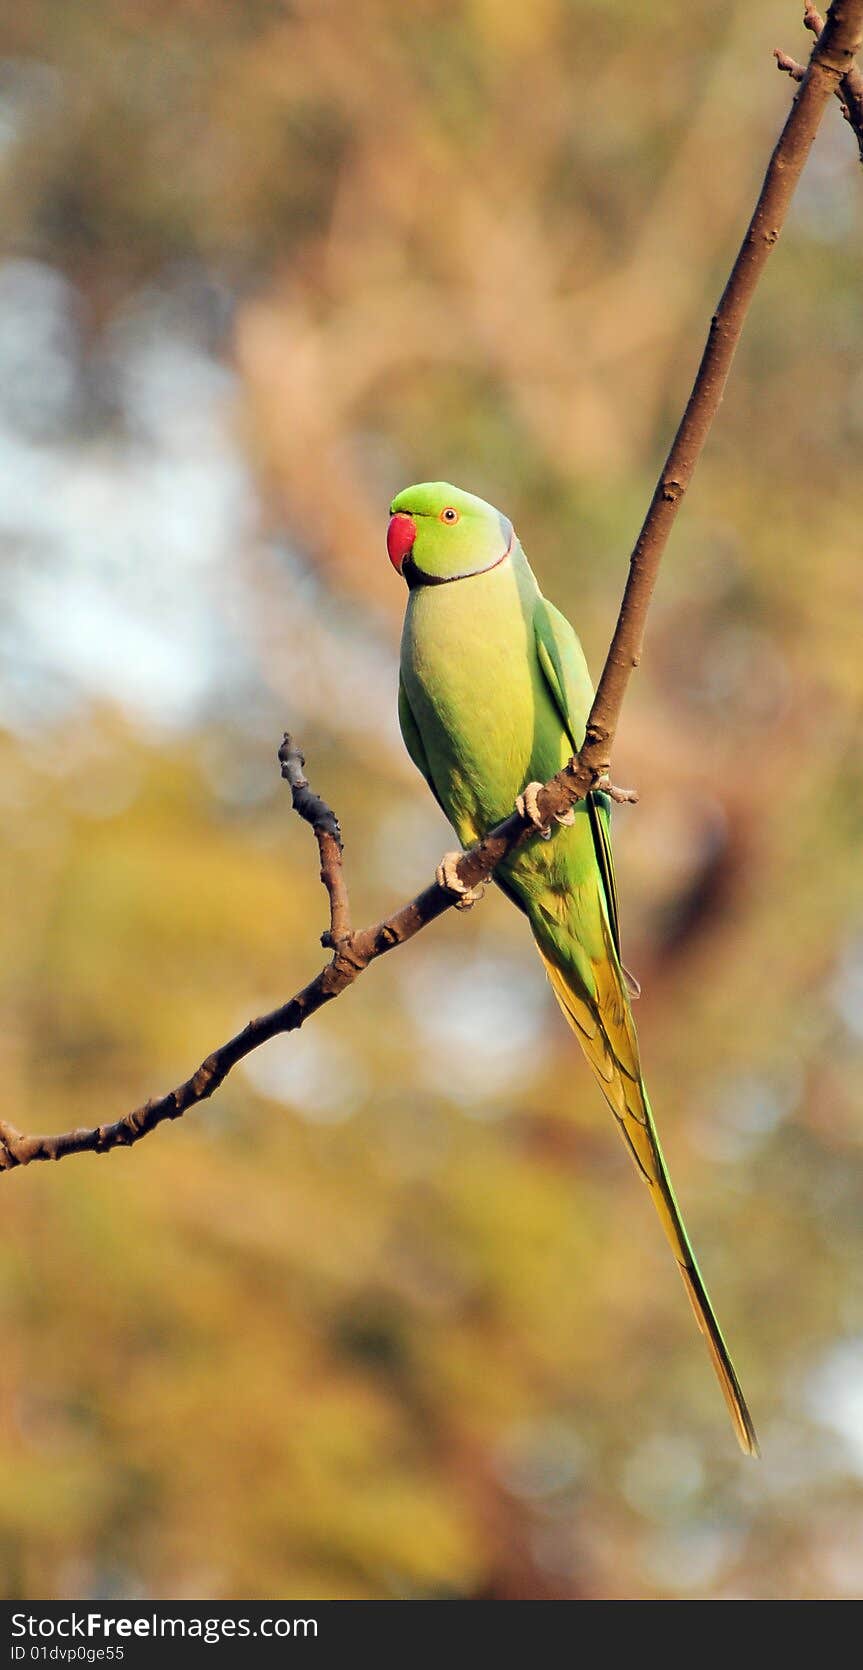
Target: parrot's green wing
point(414, 742)
point(561, 659)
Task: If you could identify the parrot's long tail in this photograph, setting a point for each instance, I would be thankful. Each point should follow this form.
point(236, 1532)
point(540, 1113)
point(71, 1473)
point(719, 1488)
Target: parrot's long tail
point(606, 1032)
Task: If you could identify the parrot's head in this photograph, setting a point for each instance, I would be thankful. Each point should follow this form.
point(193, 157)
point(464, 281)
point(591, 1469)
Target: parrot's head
point(439, 533)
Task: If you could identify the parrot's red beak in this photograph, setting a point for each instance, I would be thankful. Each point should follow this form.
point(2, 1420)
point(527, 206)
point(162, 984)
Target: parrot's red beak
point(401, 534)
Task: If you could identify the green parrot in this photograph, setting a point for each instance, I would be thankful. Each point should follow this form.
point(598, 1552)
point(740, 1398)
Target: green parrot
point(494, 695)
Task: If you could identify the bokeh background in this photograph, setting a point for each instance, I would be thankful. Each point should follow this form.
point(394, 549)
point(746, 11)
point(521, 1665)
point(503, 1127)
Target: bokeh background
point(385, 1318)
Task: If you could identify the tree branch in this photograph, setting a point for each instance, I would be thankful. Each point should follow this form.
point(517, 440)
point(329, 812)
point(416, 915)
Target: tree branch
point(850, 89)
point(352, 954)
point(832, 59)
point(328, 835)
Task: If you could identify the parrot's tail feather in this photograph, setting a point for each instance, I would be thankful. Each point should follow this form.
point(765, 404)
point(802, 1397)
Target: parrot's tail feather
point(725, 1373)
point(605, 1031)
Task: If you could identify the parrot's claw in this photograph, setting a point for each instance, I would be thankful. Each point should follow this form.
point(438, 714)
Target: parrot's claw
point(447, 877)
point(526, 805)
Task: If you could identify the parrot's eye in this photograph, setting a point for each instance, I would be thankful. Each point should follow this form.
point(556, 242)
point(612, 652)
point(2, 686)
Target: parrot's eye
point(449, 515)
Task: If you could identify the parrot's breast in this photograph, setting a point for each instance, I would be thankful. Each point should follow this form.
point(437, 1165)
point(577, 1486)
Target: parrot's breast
point(470, 670)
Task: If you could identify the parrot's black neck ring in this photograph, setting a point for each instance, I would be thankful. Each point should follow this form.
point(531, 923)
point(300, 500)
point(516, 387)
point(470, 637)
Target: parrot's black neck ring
point(416, 577)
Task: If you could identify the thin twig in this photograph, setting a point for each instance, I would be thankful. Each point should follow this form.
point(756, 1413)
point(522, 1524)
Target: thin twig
point(850, 89)
point(352, 954)
point(832, 57)
point(789, 65)
point(328, 835)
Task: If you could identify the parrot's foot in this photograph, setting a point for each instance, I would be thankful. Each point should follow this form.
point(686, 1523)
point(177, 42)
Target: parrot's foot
point(447, 877)
point(526, 805)
point(623, 797)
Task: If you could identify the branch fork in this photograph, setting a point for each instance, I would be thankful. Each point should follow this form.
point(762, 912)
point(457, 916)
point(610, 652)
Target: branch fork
point(850, 89)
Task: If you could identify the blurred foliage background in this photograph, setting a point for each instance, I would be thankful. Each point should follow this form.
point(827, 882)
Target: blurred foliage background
point(382, 1319)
